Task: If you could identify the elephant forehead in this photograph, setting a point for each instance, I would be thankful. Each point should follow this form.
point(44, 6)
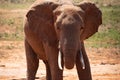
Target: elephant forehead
point(69, 8)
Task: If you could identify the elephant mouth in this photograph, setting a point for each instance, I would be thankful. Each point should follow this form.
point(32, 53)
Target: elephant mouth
point(69, 62)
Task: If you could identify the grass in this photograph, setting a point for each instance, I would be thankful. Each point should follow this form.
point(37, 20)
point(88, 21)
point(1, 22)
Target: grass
point(11, 24)
point(16, 36)
point(106, 39)
point(11, 6)
point(109, 34)
point(111, 15)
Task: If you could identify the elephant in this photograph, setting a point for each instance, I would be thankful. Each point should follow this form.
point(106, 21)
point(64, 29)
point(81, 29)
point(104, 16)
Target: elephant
point(55, 32)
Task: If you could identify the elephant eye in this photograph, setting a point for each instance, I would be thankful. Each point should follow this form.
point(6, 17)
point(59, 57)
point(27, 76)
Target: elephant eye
point(64, 16)
point(58, 25)
point(81, 31)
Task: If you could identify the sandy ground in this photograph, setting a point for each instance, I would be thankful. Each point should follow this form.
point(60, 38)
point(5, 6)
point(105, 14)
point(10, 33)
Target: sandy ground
point(105, 63)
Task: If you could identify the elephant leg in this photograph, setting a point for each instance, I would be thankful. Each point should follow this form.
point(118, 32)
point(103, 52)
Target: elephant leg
point(48, 72)
point(83, 74)
point(32, 62)
point(56, 73)
point(52, 55)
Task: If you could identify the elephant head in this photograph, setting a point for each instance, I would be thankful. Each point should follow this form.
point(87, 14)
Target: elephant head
point(66, 25)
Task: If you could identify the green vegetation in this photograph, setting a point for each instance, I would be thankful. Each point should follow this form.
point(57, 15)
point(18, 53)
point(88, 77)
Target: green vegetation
point(15, 4)
point(109, 33)
point(109, 38)
point(10, 6)
point(111, 15)
point(11, 25)
point(11, 22)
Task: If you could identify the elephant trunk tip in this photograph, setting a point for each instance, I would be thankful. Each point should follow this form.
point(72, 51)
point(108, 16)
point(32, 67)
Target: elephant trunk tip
point(69, 67)
point(69, 64)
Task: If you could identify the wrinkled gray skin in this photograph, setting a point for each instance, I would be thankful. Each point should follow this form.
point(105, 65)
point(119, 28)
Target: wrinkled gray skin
point(49, 25)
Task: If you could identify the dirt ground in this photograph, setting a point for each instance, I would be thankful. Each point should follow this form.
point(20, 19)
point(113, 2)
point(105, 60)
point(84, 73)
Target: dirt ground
point(105, 63)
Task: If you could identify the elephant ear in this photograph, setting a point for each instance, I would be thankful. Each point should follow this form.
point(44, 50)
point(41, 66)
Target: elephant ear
point(40, 21)
point(92, 19)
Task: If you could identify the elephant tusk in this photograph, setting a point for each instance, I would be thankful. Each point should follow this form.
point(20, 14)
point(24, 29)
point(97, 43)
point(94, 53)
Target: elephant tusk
point(59, 58)
point(59, 61)
point(82, 60)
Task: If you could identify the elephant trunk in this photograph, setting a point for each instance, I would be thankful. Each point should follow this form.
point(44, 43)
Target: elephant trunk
point(69, 59)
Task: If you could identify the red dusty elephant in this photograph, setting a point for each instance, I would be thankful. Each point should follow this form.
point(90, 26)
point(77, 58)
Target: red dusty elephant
point(55, 33)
